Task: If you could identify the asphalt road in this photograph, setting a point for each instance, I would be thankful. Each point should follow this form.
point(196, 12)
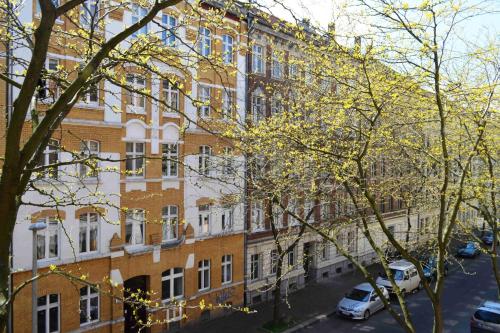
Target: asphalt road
point(465, 288)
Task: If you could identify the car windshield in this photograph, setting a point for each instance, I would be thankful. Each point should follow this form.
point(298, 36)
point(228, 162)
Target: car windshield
point(359, 295)
point(490, 317)
point(398, 274)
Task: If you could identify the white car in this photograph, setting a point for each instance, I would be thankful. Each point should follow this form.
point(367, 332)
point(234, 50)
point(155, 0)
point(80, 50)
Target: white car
point(405, 275)
point(361, 302)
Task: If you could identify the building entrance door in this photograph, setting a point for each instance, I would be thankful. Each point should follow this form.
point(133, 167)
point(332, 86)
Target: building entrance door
point(136, 285)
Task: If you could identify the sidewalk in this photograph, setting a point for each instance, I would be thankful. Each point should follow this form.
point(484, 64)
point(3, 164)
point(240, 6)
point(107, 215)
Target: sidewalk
point(314, 300)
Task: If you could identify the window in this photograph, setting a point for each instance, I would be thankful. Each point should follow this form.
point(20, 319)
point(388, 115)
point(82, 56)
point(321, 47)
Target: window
point(135, 159)
point(170, 225)
point(227, 218)
point(89, 149)
point(134, 227)
point(174, 313)
point(89, 14)
point(325, 211)
point(138, 13)
point(291, 258)
point(89, 305)
point(47, 240)
point(92, 95)
point(276, 66)
point(204, 219)
point(258, 59)
point(227, 165)
point(203, 274)
point(227, 268)
point(172, 284)
point(135, 101)
point(257, 217)
point(276, 105)
point(258, 107)
point(255, 267)
point(274, 261)
point(204, 160)
point(48, 313)
point(89, 232)
point(351, 241)
point(170, 156)
point(171, 96)
point(325, 250)
point(277, 216)
point(168, 35)
point(204, 99)
point(293, 71)
point(49, 88)
point(227, 49)
point(205, 43)
point(227, 104)
point(50, 156)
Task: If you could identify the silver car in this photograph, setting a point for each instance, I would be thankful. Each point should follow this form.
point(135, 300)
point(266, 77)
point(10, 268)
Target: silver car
point(486, 319)
point(361, 302)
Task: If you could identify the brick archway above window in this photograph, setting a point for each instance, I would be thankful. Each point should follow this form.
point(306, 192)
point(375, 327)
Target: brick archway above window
point(99, 210)
point(58, 214)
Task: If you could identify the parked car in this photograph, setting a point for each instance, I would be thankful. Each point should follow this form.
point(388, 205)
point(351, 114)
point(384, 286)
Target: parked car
point(361, 302)
point(405, 275)
point(487, 238)
point(486, 319)
point(469, 250)
point(429, 267)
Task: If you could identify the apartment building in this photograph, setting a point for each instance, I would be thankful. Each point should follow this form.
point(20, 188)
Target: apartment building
point(157, 218)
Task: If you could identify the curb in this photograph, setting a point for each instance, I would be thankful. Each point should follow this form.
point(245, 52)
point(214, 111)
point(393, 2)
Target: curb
point(308, 322)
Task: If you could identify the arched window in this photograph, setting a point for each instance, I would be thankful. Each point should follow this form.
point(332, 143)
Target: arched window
point(172, 284)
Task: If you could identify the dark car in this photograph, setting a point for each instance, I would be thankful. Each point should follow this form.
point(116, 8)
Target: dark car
point(487, 238)
point(429, 266)
point(486, 319)
point(469, 250)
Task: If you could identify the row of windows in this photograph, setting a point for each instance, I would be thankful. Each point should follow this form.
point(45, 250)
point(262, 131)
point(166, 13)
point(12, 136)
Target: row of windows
point(172, 287)
point(256, 263)
point(277, 67)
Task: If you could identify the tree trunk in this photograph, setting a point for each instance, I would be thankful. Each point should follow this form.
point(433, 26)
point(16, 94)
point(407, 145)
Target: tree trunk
point(408, 223)
point(438, 315)
point(277, 292)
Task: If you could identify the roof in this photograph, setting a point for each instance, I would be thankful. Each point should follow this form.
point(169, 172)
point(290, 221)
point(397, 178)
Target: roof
point(401, 264)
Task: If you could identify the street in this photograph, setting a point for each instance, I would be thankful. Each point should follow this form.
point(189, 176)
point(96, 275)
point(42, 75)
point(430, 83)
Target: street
point(464, 289)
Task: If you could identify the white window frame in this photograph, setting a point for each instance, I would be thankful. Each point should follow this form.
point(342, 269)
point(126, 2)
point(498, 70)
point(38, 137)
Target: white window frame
point(204, 219)
point(204, 97)
point(170, 223)
point(50, 151)
point(138, 13)
point(47, 307)
point(205, 41)
point(50, 87)
point(227, 269)
point(228, 161)
point(293, 70)
point(135, 102)
point(258, 56)
point(203, 281)
point(174, 313)
point(53, 229)
point(227, 104)
point(227, 49)
point(227, 218)
point(134, 156)
point(170, 96)
point(85, 222)
point(91, 294)
point(255, 266)
point(273, 261)
point(168, 35)
point(89, 148)
point(170, 156)
point(276, 66)
point(257, 217)
point(276, 105)
point(291, 258)
point(204, 160)
point(172, 276)
point(136, 219)
point(258, 106)
point(325, 250)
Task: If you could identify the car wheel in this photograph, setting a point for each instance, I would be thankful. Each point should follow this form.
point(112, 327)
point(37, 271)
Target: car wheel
point(366, 315)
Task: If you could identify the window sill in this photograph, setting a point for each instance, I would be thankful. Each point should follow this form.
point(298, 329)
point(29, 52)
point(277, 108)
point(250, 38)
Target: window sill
point(171, 114)
point(90, 324)
point(135, 179)
point(135, 110)
point(137, 248)
point(170, 243)
point(89, 106)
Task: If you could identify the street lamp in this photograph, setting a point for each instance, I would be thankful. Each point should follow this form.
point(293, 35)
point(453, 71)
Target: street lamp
point(35, 227)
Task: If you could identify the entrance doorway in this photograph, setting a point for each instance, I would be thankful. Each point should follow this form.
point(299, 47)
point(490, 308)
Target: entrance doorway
point(138, 284)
